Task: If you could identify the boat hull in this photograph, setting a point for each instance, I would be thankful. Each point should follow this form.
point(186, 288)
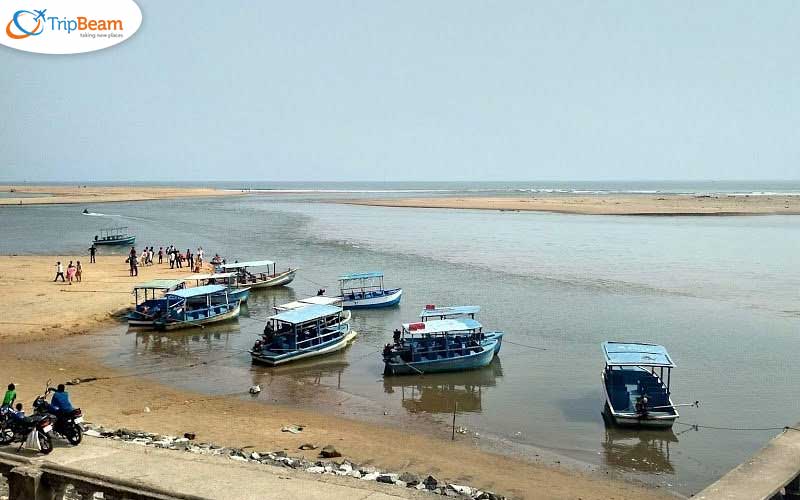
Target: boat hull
point(496, 337)
point(319, 350)
point(175, 325)
point(454, 364)
point(652, 420)
point(281, 279)
point(123, 241)
point(390, 298)
point(240, 294)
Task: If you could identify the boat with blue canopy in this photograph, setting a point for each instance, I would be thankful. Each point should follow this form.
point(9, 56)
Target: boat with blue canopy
point(229, 280)
point(440, 345)
point(114, 236)
point(301, 333)
point(153, 301)
point(317, 299)
point(197, 306)
point(366, 290)
point(636, 383)
point(259, 279)
point(432, 311)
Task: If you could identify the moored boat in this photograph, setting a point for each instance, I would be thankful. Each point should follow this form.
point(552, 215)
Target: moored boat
point(198, 306)
point(440, 345)
point(317, 299)
point(432, 311)
point(153, 303)
point(302, 333)
point(635, 394)
point(114, 236)
point(229, 280)
point(258, 279)
point(366, 290)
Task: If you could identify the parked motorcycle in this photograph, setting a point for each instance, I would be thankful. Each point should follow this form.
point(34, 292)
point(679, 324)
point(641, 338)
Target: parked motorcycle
point(65, 424)
point(36, 427)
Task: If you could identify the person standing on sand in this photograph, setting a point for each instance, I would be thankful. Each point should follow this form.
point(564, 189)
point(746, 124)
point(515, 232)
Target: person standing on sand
point(59, 272)
point(132, 262)
point(171, 259)
point(92, 251)
point(190, 258)
point(160, 255)
point(200, 255)
point(78, 272)
point(70, 272)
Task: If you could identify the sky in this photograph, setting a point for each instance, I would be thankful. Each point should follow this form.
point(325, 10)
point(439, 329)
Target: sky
point(380, 90)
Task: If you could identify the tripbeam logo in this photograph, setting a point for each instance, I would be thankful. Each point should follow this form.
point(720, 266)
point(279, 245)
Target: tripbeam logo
point(69, 27)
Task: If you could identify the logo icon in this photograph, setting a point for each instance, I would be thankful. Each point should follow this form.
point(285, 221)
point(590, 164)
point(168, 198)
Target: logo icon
point(23, 21)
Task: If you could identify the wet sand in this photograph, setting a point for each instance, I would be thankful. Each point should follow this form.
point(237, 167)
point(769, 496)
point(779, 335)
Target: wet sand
point(46, 311)
point(46, 195)
point(608, 204)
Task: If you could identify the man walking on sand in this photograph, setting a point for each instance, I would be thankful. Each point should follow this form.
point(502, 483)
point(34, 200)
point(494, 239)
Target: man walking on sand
point(160, 255)
point(190, 258)
point(92, 251)
point(59, 272)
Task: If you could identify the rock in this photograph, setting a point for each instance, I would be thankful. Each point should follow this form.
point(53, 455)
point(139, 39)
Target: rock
point(92, 433)
point(401, 484)
point(367, 469)
point(356, 474)
point(346, 468)
point(431, 482)
point(238, 458)
point(461, 490)
point(387, 478)
point(316, 469)
point(147, 409)
point(255, 456)
point(372, 476)
point(255, 389)
point(409, 478)
point(190, 436)
point(294, 429)
point(307, 446)
point(280, 454)
point(330, 452)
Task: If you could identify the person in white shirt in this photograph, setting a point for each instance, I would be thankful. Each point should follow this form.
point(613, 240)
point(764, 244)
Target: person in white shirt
point(59, 272)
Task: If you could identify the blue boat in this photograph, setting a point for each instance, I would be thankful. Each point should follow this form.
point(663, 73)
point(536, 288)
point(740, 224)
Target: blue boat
point(114, 236)
point(441, 345)
point(637, 396)
point(229, 280)
point(366, 290)
point(153, 303)
point(302, 333)
point(317, 299)
point(197, 306)
point(452, 312)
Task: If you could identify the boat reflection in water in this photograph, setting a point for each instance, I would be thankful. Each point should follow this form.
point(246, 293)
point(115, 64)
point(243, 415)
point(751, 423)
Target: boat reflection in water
point(639, 451)
point(212, 338)
point(439, 393)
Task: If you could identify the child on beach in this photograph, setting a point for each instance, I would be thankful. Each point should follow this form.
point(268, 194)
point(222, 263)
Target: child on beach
point(78, 271)
point(10, 397)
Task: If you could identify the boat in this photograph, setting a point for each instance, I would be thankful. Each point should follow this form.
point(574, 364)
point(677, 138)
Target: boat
point(635, 395)
point(317, 299)
point(153, 303)
point(432, 311)
point(227, 279)
point(258, 279)
point(440, 345)
point(197, 306)
point(366, 290)
point(114, 236)
point(302, 333)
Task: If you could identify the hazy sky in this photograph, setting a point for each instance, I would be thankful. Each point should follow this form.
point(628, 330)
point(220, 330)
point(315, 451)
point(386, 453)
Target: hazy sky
point(427, 90)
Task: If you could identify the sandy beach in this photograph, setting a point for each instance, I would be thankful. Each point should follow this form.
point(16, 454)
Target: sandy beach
point(46, 312)
point(608, 204)
point(47, 195)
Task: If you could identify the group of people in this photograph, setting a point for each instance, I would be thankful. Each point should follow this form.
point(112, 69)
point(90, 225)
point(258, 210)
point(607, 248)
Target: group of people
point(74, 272)
point(59, 403)
point(175, 257)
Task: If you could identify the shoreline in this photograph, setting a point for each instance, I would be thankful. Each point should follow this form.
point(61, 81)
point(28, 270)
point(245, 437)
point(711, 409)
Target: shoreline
point(30, 356)
point(631, 205)
point(85, 194)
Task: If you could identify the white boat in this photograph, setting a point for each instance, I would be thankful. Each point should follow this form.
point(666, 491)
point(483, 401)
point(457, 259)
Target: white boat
point(433, 312)
point(258, 279)
point(637, 396)
point(317, 299)
point(366, 290)
point(228, 279)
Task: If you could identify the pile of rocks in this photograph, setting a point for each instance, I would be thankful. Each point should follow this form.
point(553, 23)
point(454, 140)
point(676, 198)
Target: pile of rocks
point(340, 467)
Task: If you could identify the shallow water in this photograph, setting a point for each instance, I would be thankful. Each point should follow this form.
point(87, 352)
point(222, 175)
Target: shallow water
point(720, 293)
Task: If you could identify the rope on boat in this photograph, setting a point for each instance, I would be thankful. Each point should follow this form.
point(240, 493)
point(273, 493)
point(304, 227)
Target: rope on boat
point(524, 345)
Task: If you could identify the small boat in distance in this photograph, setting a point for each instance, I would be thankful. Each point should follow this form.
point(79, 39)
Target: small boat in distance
point(454, 312)
point(440, 345)
point(153, 303)
point(366, 290)
point(198, 306)
point(301, 333)
point(635, 395)
point(227, 279)
point(114, 236)
point(259, 279)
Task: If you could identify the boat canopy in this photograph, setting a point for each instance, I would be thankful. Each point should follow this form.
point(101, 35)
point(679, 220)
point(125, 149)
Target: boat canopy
point(636, 354)
point(449, 310)
point(206, 276)
point(291, 305)
point(326, 301)
point(361, 276)
point(442, 326)
point(308, 313)
point(158, 284)
point(197, 291)
point(252, 263)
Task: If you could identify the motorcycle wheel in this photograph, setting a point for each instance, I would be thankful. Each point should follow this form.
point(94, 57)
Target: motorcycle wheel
point(45, 443)
point(75, 435)
point(6, 435)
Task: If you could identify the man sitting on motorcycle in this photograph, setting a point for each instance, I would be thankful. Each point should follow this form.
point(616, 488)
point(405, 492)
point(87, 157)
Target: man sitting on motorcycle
point(60, 402)
point(19, 414)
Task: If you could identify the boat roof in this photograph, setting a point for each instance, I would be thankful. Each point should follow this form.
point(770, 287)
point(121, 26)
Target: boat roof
point(197, 291)
point(636, 354)
point(207, 276)
point(308, 313)
point(320, 299)
point(159, 284)
point(449, 310)
point(361, 276)
point(116, 228)
point(290, 305)
point(252, 263)
point(444, 325)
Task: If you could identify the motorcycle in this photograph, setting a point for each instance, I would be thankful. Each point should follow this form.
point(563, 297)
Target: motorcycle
point(66, 424)
point(14, 429)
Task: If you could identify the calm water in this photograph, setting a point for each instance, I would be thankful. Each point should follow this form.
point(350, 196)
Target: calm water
point(720, 293)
